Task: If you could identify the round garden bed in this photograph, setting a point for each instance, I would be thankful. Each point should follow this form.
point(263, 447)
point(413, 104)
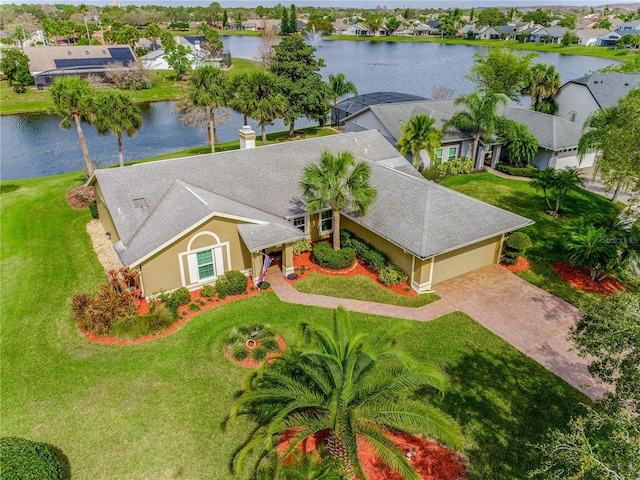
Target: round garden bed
point(520, 266)
point(250, 346)
point(578, 277)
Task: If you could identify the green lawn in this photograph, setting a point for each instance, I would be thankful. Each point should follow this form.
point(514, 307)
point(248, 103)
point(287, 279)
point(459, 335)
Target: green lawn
point(154, 410)
point(518, 197)
point(360, 287)
point(163, 87)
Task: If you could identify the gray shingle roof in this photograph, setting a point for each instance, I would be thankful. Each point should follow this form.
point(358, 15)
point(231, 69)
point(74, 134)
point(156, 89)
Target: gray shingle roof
point(607, 88)
point(261, 186)
point(553, 133)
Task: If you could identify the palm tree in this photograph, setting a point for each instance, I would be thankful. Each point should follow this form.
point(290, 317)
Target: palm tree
point(544, 180)
point(587, 247)
point(566, 180)
point(336, 182)
point(340, 86)
point(72, 100)
point(209, 90)
point(480, 116)
point(258, 96)
point(542, 84)
point(522, 144)
point(420, 134)
point(350, 385)
point(116, 113)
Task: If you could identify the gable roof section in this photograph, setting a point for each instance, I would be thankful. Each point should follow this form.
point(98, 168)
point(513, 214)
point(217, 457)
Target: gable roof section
point(77, 56)
point(260, 187)
point(607, 88)
point(553, 133)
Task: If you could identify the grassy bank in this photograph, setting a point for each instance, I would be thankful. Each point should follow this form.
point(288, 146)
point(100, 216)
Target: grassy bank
point(163, 87)
point(155, 410)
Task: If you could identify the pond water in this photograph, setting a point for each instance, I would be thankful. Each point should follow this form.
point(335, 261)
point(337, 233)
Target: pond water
point(34, 145)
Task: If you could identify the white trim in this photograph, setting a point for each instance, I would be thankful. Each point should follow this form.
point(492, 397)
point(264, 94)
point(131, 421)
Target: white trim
point(325, 232)
point(413, 267)
point(422, 287)
point(288, 271)
point(196, 195)
point(433, 263)
point(306, 223)
point(501, 245)
point(218, 269)
point(200, 234)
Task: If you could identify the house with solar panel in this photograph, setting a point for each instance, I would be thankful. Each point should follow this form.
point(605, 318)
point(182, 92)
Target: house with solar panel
point(46, 63)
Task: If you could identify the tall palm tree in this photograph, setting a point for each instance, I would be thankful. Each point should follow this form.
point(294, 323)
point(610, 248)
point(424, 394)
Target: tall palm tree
point(336, 182)
point(479, 116)
point(420, 134)
point(340, 86)
point(258, 96)
point(350, 385)
point(521, 143)
point(116, 113)
point(566, 180)
point(542, 84)
point(72, 100)
point(544, 180)
point(209, 90)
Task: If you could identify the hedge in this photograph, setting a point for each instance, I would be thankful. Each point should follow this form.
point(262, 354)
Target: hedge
point(233, 282)
point(22, 459)
point(527, 171)
point(326, 256)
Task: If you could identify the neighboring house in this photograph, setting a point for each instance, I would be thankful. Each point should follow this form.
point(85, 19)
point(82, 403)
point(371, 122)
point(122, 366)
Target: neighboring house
point(420, 29)
point(589, 36)
point(47, 63)
point(629, 27)
point(358, 29)
point(513, 30)
point(548, 35)
point(557, 138)
point(155, 61)
point(340, 25)
point(578, 98)
point(186, 221)
point(355, 104)
point(195, 43)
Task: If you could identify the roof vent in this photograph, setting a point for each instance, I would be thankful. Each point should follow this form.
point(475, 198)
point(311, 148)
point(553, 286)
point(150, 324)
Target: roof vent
point(140, 203)
point(626, 84)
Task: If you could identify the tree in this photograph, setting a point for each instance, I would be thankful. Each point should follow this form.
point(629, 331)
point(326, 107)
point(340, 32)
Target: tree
point(501, 71)
point(293, 19)
point(168, 42)
point(258, 96)
point(538, 16)
point(392, 23)
point(225, 19)
point(72, 100)
point(521, 143)
point(491, 17)
point(558, 183)
point(337, 182)
point(297, 69)
point(213, 45)
point(152, 33)
point(178, 60)
point(15, 66)
point(479, 116)
point(419, 134)
point(374, 22)
point(542, 83)
point(544, 180)
point(614, 134)
point(116, 113)
point(569, 38)
point(609, 334)
point(589, 247)
point(284, 23)
point(209, 90)
point(340, 86)
point(351, 384)
point(266, 52)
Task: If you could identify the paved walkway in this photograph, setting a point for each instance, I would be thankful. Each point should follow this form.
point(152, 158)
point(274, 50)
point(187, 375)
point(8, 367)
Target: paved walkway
point(529, 318)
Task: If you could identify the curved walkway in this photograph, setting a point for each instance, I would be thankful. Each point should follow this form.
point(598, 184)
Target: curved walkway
point(529, 318)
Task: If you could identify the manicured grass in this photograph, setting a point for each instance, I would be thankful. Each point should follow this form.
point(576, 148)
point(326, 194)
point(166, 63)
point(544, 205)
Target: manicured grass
point(155, 410)
point(547, 236)
point(163, 87)
point(359, 287)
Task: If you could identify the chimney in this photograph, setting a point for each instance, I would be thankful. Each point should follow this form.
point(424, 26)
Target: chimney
point(247, 137)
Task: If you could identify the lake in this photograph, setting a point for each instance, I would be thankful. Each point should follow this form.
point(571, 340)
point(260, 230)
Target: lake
point(34, 145)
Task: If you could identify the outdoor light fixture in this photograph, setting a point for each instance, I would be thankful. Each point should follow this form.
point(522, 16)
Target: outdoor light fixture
point(108, 235)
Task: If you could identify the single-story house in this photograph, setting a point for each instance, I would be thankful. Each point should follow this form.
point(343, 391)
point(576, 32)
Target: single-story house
point(578, 98)
point(358, 29)
point(557, 138)
point(548, 35)
point(589, 36)
point(479, 32)
point(48, 62)
point(184, 222)
point(155, 60)
point(629, 27)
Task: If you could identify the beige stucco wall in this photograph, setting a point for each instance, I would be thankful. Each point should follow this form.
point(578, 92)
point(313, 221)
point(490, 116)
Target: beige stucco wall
point(163, 270)
point(421, 280)
point(465, 259)
point(105, 216)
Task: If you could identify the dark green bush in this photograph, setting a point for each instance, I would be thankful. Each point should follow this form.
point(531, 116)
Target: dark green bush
point(518, 241)
point(240, 353)
point(22, 459)
point(325, 256)
point(194, 307)
point(392, 275)
point(270, 344)
point(208, 292)
point(93, 208)
point(96, 315)
point(259, 354)
point(432, 174)
point(231, 283)
point(140, 326)
point(374, 258)
point(527, 171)
point(264, 285)
point(182, 296)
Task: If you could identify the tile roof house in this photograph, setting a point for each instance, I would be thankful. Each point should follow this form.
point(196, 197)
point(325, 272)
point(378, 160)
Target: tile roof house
point(578, 98)
point(557, 138)
point(185, 221)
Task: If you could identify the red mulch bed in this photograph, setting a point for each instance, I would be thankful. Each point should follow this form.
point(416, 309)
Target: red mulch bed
point(431, 460)
point(358, 268)
point(578, 277)
point(81, 196)
point(248, 362)
point(143, 309)
point(521, 265)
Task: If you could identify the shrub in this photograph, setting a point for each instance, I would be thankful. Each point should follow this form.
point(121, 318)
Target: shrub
point(194, 307)
point(106, 308)
point(392, 275)
point(93, 208)
point(140, 326)
point(527, 171)
point(26, 460)
point(325, 256)
point(270, 344)
point(259, 354)
point(231, 283)
point(515, 246)
point(303, 245)
point(264, 285)
point(292, 276)
point(240, 353)
point(208, 292)
point(182, 296)
point(456, 166)
point(375, 259)
point(432, 174)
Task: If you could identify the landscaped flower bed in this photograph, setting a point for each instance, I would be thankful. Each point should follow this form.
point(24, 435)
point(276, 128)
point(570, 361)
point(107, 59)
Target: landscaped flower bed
point(578, 277)
point(520, 266)
point(358, 268)
point(250, 346)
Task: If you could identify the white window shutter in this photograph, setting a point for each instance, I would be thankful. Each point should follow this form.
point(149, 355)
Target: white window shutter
point(219, 261)
point(192, 262)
